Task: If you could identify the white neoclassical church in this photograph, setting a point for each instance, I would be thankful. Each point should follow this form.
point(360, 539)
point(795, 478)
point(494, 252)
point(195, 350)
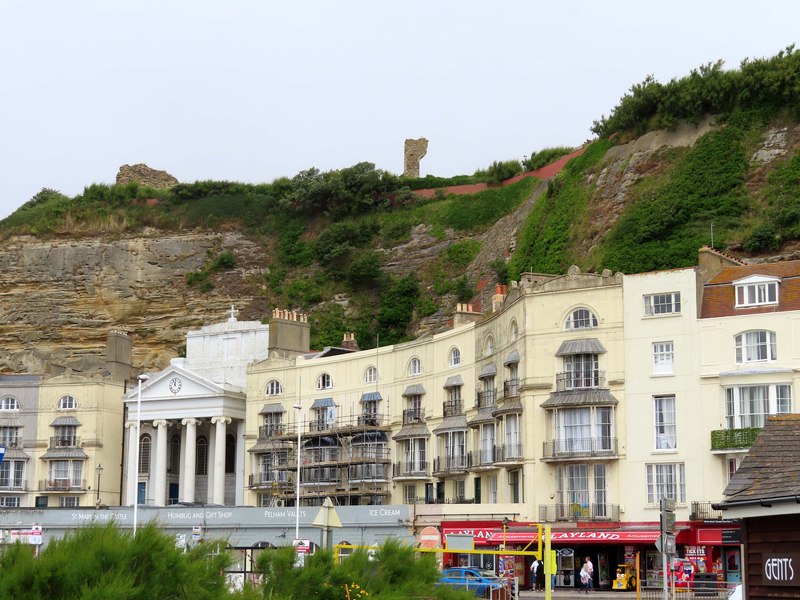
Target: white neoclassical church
point(189, 420)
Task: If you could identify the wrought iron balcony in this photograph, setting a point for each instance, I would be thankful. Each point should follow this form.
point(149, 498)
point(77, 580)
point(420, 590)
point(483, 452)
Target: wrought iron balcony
point(62, 485)
point(272, 478)
point(411, 469)
point(511, 388)
point(549, 513)
point(11, 442)
point(579, 447)
point(702, 511)
point(368, 472)
point(266, 432)
point(485, 399)
point(508, 453)
point(730, 439)
point(450, 464)
point(370, 420)
point(484, 458)
point(453, 408)
point(65, 441)
point(412, 416)
point(317, 425)
point(580, 380)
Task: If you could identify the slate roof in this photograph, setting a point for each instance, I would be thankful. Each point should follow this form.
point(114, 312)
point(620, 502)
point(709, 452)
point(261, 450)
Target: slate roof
point(718, 293)
point(771, 469)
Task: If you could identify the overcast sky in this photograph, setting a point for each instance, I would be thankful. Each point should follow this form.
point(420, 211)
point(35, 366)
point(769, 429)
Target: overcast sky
point(254, 90)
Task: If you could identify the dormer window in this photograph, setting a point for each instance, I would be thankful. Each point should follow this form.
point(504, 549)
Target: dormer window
point(67, 403)
point(756, 290)
point(324, 382)
point(581, 318)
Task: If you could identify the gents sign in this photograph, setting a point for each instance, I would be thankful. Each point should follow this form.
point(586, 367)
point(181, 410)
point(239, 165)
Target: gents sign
point(781, 569)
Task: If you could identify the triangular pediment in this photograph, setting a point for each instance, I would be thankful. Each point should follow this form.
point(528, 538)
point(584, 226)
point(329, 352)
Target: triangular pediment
point(179, 392)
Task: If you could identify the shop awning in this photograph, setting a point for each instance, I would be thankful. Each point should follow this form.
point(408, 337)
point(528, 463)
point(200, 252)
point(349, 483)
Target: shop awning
point(579, 536)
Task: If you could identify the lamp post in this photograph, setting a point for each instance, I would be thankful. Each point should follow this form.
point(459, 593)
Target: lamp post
point(141, 379)
point(297, 482)
point(99, 470)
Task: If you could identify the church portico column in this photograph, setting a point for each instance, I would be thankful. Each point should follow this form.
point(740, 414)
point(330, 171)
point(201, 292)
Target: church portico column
point(132, 470)
point(219, 458)
point(189, 464)
point(160, 494)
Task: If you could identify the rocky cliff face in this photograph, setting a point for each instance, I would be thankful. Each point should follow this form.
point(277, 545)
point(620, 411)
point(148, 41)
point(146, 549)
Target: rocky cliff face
point(61, 297)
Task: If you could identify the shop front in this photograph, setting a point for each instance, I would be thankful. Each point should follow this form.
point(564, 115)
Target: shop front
point(713, 547)
point(607, 549)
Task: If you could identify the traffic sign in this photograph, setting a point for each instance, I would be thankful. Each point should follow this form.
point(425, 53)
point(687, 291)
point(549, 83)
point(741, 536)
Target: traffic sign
point(665, 543)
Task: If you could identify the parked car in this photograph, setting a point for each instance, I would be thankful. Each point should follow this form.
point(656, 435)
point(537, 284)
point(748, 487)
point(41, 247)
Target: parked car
point(736, 593)
point(477, 581)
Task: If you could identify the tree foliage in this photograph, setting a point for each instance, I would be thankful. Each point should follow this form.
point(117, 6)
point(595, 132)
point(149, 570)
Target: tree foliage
point(100, 562)
point(763, 84)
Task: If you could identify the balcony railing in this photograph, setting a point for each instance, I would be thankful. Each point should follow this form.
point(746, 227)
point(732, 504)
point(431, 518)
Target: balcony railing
point(412, 416)
point(8, 484)
point(62, 485)
point(580, 380)
point(416, 468)
point(10, 442)
point(321, 425)
point(367, 472)
point(485, 399)
point(370, 420)
point(485, 457)
point(64, 441)
point(511, 388)
point(456, 463)
point(275, 479)
point(728, 439)
point(573, 447)
point(453, 408)
point(369, 452)
point(549, 513)
point(702, 511)
point(266, 432)
point(508, 453)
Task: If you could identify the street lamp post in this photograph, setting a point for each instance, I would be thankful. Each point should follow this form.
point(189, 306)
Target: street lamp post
point(99, 470)
point(142, 378)
point(297, 482)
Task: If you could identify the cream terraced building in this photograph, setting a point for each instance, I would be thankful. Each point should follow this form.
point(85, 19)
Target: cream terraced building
point(581, 398)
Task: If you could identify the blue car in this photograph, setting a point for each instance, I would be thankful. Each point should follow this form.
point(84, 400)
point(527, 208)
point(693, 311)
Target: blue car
point(477, 581)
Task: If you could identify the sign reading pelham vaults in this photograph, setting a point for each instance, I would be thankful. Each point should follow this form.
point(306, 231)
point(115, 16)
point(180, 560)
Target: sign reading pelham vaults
point(781, 569)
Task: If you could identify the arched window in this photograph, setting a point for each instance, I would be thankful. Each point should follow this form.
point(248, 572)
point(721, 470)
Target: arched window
point(9, 403)
point(488, 346)
point(274, 388)
point(371, 375)
point(455, 357)
point(324, 382)
point(230, 453)
point(67, 402)
point(175, 454)
point(201, 456)
point(414, 366)
point(581, 318)
point(144, 454)
point(756, 346)
point(514, 330)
